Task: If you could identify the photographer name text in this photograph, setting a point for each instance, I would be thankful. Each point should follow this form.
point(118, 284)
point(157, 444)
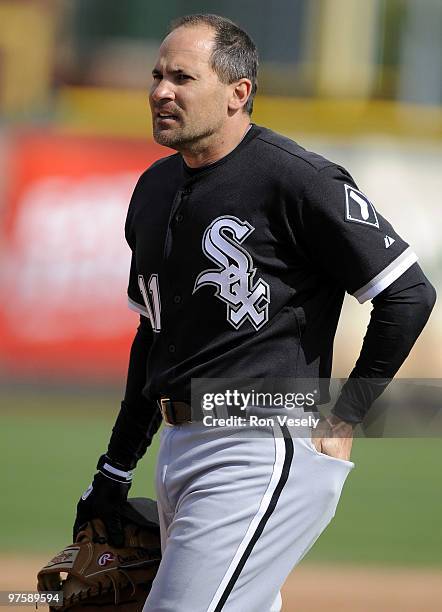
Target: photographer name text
point(255, 421)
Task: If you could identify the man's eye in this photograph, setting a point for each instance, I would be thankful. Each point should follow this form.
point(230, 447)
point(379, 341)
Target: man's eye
point(157, 77)
point(184, 77)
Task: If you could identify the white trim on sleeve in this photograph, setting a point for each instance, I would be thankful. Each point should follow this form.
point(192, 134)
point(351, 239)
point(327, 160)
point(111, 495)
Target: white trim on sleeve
point(137, 307)
point(388, 275)
point(110, 468)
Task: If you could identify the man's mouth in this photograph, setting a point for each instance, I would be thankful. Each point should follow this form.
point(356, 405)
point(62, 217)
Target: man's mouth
point(166, 116)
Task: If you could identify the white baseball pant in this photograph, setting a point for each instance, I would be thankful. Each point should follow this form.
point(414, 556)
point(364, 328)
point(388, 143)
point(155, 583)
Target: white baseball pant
point(239, 508)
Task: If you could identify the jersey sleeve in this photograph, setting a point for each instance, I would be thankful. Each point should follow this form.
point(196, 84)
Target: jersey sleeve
point(348, 239)
point(134, 295)
point(136, 300)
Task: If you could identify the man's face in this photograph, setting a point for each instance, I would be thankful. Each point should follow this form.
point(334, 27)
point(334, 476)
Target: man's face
point(188, 101)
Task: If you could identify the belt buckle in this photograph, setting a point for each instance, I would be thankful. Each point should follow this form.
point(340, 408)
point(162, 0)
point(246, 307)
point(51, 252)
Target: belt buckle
point(165, 403)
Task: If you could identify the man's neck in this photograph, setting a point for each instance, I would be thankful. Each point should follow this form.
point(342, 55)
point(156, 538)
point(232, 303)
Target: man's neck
point(218, 148)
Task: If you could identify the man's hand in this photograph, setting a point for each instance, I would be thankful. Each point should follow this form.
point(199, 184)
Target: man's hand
point(104, 499)
point(334, 437)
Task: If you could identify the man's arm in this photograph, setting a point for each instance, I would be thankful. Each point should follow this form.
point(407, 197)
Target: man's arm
point(139, 418)
point(137, 422)
point(399, 314)
point(348, 241)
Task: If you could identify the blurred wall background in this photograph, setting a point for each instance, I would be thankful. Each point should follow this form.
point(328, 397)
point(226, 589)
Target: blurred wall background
point(360, 81)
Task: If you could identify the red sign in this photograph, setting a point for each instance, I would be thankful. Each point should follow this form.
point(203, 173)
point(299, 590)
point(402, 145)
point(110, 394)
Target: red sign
point(65, 263)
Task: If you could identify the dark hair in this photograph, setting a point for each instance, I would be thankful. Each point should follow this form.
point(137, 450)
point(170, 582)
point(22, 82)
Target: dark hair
point(234, 54)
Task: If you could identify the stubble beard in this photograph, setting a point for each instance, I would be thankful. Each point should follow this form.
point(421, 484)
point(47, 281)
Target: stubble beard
point(190, 140)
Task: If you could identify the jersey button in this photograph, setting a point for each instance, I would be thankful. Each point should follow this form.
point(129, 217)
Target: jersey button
point(177, 299)
point(178, 218)
point(172, 348)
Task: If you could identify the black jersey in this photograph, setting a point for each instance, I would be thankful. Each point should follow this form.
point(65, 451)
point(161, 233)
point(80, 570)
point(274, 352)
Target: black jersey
point(242, 266)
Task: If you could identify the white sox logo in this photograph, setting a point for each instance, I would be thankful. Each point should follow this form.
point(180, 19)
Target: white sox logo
point(234, 279)
point(358, 208)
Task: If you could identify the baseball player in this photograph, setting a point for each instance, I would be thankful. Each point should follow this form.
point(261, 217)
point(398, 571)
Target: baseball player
point(243, 245)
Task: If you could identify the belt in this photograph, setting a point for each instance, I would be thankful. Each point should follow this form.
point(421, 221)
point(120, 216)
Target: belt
point(175, 413)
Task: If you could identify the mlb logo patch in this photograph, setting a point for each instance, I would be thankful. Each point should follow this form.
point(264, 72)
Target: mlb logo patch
point(358, 208)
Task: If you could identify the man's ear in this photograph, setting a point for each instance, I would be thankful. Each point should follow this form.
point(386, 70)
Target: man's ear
point(240, 94)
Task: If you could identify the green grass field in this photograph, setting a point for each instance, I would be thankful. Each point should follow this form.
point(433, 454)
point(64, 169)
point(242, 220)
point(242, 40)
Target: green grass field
point(389, 512)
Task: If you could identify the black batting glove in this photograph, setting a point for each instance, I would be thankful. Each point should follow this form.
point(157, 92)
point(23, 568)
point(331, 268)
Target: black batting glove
point(104, 499)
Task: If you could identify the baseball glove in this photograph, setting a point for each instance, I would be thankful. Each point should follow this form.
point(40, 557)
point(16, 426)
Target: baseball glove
point(103, 578)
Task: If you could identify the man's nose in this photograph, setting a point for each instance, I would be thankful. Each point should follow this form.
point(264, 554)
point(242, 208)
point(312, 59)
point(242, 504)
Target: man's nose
point(162, 91)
